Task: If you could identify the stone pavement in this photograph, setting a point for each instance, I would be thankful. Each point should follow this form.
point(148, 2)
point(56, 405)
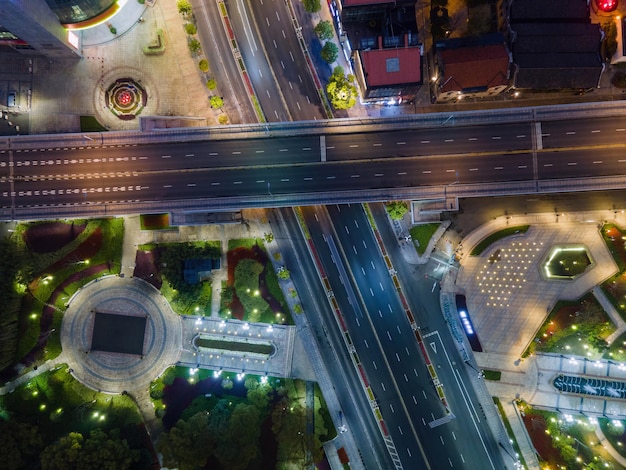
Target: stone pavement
point(65, 90)
point(500, 331)
point(505, 289)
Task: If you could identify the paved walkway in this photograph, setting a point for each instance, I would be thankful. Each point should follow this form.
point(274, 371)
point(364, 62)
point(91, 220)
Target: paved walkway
point(531, 379)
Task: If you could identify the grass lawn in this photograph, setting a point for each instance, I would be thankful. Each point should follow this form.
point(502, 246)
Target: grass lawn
point(615, 287)
point(91, 124)
point(562, 439)
point(494, 237)
point(96, 251)
point(154, 221)
point(617, 349)
point(492, 374)
point(59, 404)
point(421, 235)
point(509, 430)
point(575, 327)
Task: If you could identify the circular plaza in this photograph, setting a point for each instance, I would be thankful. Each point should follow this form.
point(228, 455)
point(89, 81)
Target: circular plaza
point(119, 334)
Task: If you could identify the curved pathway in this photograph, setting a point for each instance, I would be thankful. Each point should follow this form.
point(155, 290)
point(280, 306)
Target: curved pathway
point(114, 372)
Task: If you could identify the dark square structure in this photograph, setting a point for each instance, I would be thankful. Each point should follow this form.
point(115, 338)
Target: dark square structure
point(118, 333)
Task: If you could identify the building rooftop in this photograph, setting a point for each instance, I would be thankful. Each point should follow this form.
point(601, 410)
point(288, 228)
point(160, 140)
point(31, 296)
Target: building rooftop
point(474, 67)
point(394, 66)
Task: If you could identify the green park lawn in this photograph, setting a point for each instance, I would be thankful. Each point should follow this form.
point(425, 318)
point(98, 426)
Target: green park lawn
point(421, 235)
point(575, 327)
point(50, 406)
point(494, 237)
point(615, 287)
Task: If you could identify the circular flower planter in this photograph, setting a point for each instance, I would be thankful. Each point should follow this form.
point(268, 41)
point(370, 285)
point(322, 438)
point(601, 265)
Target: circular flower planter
point(125, 98)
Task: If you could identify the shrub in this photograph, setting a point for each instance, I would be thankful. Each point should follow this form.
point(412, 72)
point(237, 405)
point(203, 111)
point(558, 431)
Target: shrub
point(113, 29)
point(397, 209)
point(216, 102)
point(211, 84)
point(330, 52)
point(194, 46)
point(184, 7)
point(190, 28)
point(203, 65)
point(223, 119)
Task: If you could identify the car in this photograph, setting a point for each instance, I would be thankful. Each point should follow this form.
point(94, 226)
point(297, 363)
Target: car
point(12, 100)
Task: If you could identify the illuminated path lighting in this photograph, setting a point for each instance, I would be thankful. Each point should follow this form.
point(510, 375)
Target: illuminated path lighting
point(566, 262)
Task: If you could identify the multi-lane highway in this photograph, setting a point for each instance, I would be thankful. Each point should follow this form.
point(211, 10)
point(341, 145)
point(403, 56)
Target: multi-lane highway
point(312, 163)
point(390, 355)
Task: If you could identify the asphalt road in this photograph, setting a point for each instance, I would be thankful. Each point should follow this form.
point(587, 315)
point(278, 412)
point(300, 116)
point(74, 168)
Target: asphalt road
point(355, 406)
point(276, 32)
point(463, 443)
point(224, 68)
point(278, 166)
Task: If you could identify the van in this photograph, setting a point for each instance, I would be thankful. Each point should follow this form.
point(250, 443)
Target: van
point(12, 100)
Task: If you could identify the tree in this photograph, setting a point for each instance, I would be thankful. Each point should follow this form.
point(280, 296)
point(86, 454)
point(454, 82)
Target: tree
point(330, 52)
point(188, 444)
point(240, 443)
point(20, 442)
point(312, 6)
point(397, 209)
point(190, 28)
point(342, 91)
point(100, 451)
point(211, 84)
point(289, 427)
point(324, 30)
point(194, 46)
point(203, 65)
point(184, 7)
point(216, 102)
point(283, 273)
point(222, 119)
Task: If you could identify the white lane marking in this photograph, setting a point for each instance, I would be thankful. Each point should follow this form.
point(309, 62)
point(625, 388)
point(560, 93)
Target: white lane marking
point(330, 148)
point(449, 171)
point(522, 166)
point(275, 45)
point(283, 64)
point(397, 357)
point(409, 452)
point(426, 172)
point(371, 292)
point(388, 334)
point(391, 408)
point(572, 164)
point(167, 185)
point(357, 321)
point(284, 36)
point(353, 146)
point(472, 138)
point(191, 185)
point(414, 399)
point(570, 133)
point(378, 174)
point(401, 143)
point(267, 20)
point(462, 458)
point(521, 136)
point(366, 345)
point(300, 78)
point(163, 156)
point(390, 309)
point(496, 137)
point(441, 438)
point(363, 241)
point(374, 364)
point(355, 176)
point(548, 164)
point(190, 155)
point(260, 151)
point(400, 429)
point(306, 148)
point(425, 142)
point(416, 374)
point(290, 85)
point(293, 60)
point(269, 96)
point(347, 231)
point(449, 140)
point(400, 173)
point(363, 270)
point(473, 169)
point(620, 130)
point(497, 168)
point(595, 132)
point(545, 135)
point(330, 177)
point(380, 314)
point(597, 161)
point(236, 153)
point(621, 161)
point(377, 145)
point(260, 181)
point(381, 286)
point(260, 73)
point(424, 393)
point(356, 223)
point(308, 179)
point(406, 379)
point(284, 180)
point(215, 184)
point(277, 17)
point(383, 386)
point(212, 154)
point(237, 182)
point(354, 249)
point(283, 150)
point(454, 435)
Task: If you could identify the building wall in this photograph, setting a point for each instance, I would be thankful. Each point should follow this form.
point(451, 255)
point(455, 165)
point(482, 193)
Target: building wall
point(34, 22)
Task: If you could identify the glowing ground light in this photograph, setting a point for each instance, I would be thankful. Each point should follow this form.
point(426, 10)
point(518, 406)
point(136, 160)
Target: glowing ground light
point(124, 98)
point(607, 5)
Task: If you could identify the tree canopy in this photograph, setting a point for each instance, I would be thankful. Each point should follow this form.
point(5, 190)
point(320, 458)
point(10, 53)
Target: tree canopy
point(341, 90)
point(330, 52)
point(312, 6)
point(324, 30)
point(397, 209)
point(216, 102)
point(188, 444)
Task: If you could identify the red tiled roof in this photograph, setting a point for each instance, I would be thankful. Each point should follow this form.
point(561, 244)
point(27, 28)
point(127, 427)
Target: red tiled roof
point(376, 70)
point(474, 67)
